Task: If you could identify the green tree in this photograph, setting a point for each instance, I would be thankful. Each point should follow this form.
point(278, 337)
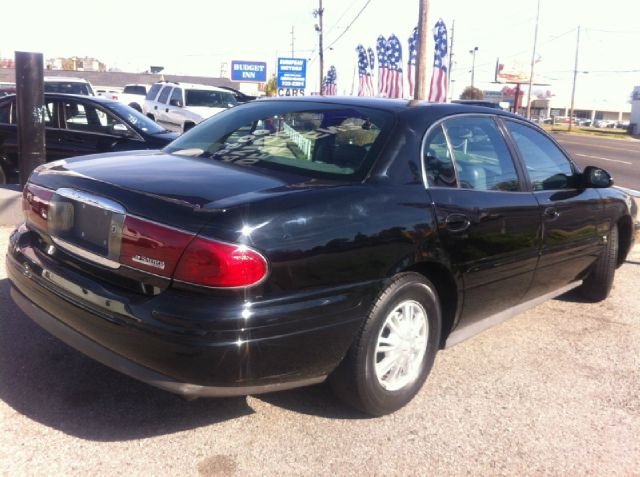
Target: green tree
point(471, 92)
point(271, 87)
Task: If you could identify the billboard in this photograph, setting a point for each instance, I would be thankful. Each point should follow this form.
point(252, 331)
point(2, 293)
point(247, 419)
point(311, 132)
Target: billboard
point(512, 72)
point(248, 71)
point(292, 73)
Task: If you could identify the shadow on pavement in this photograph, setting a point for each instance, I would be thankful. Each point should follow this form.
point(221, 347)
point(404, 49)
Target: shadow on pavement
point(49, 382)
point(53, 384)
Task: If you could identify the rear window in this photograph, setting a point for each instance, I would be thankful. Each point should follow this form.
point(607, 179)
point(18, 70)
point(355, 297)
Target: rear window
point(67, 87)
point(332, 143)
point(135, 89)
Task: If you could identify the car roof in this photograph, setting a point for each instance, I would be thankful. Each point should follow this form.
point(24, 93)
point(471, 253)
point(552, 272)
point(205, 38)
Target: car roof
point(408, 106)
point(193, 86)
point(69, 79)
point(81, 97)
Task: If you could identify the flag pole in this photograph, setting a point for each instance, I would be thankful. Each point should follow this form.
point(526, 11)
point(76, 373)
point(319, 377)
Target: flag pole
point(420, 90)
point(533, 62)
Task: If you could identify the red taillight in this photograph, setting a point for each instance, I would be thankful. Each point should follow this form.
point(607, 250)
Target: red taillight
point(35, 205)
point(215, 264)
point(151, 247)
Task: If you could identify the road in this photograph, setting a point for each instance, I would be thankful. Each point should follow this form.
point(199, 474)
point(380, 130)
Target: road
point(618, 156)
point(553, 391)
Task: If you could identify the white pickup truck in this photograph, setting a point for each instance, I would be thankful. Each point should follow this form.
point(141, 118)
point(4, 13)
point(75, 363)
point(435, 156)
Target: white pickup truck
point(133, 95)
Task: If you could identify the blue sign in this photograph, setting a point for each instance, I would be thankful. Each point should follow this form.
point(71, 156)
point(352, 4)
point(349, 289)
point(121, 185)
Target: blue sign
point(292, 73)
point(249, 71)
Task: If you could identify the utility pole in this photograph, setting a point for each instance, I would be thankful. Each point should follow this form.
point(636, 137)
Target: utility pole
point(533, 62)
point(420, 91)
point(319, 13)
point(473, 65)
point(453, 29)
point(575, 75)
point(293, 39)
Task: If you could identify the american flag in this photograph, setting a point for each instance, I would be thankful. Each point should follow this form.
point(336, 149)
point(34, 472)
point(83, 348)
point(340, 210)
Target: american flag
point(411, 64)
point(365, 84)
point(383, 66)
point(438, 90)
point(395, 79)
point(330, 86)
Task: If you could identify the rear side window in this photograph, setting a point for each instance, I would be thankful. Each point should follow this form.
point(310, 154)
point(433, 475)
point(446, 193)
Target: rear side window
point(483, 161)
point(164, 95)
point(177, 95)
point(547, 166)
point(438, 163)
point(5, 113)
point(336, 143)
point(153, 92)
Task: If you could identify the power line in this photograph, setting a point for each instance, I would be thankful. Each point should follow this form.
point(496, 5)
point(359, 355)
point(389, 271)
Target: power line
point(350, 24)
point(335, 24)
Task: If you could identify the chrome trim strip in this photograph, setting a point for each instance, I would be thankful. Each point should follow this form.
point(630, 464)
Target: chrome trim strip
point(91, 199)
point(461, 334)
point(85, 254)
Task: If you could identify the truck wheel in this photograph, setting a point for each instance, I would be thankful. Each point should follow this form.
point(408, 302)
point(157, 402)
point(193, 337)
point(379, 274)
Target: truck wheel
point(151, 116)
point(187, 126)
point(136, 106)
point(394, 350)
point(597, 286)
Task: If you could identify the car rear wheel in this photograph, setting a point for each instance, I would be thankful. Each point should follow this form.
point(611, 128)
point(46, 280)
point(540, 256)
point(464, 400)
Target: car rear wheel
point(597, 286)
point(394, 350)
point(136, 106)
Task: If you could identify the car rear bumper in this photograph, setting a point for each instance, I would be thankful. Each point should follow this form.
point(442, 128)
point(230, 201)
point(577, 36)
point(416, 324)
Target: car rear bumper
point(288, 343)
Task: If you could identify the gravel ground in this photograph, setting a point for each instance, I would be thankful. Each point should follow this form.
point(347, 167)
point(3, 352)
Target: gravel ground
point(553, 391)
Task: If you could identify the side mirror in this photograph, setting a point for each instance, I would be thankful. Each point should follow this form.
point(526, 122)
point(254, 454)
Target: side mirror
point(596, 177)
point(120, 129)
point(175, 102)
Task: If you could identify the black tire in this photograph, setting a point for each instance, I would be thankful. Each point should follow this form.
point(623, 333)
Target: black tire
point(597, 286)
point(187, 126)
point(355, 380)
point(136, 106)
point(3, 175)
point(151, 116)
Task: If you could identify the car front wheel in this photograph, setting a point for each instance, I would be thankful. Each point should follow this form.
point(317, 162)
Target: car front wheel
point(395, 349)
point(597, 285)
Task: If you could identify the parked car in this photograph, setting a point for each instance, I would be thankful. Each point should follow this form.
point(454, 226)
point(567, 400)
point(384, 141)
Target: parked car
point(604, 123)
point(61, 84)
point(134, 95)
point(108, 92)
point(287, 241)
point(179, 106)
point(6, 91)
point(584, 122)
point(78, 125)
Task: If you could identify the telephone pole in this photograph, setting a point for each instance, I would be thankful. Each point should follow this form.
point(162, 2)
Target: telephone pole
point(575, 75)
point(533, 62)
point(319, 13)
point(293, 39)
point(420, 91)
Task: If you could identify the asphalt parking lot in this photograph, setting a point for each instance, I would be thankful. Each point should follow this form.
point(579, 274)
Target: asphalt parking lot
point(553, 391)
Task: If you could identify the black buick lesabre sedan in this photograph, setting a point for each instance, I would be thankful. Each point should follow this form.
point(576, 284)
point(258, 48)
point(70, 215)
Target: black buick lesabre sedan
point(284, 242)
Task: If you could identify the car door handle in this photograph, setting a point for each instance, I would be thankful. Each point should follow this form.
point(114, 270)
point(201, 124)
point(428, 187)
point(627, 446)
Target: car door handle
point(551, 213)
point(155, 107)
point(166, 110)
point(457, 223)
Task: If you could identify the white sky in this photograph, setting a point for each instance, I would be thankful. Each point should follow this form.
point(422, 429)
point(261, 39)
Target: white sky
point(195, 37)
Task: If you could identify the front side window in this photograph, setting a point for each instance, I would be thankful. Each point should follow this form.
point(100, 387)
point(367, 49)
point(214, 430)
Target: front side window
point(547, 166)
point(438, 162)
point(332, 143)
point(87, 118)
point(483, 161)
point(176, 95)
point(5, 112)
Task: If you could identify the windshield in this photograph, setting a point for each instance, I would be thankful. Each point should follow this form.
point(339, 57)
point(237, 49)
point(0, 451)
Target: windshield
point(68, 87)
point(318, 141)
point(137, 120)
point(210, 99)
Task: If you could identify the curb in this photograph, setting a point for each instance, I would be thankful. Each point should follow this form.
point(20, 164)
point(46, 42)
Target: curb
point(10, 204)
